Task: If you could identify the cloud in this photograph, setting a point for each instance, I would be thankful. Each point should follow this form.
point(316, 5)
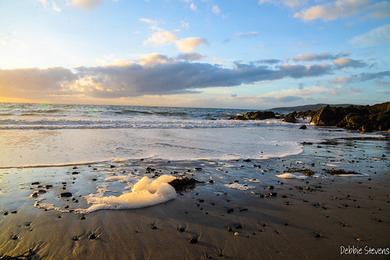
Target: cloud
point(85, 3)
point(216, 9)
point(319, 56)
point(164, 37)
point(33, 83)
point(247, 34)
point(148, 21)
point(189, 44)
point(372, 76)
point(377, 36)
point(192, 5)
point(161, 37)
point(193, 56)
point(152, 74)
point(331, 11)
point(366, 76)
point(288, 3)
point(347, 62)
point(50, 4)
point(268, 61)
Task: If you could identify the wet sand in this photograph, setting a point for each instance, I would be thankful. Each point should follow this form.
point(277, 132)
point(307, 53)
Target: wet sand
point(270, 218)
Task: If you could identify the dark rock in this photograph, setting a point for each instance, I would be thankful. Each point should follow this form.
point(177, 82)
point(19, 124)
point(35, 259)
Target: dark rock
point(35, 183)
point(291, 117)
point(362, 118)
point(75, 173)
point(92, 236)
point(258, 115)
point(181, 229)
point(230, 210)
point(303, 127)
point(66, 194)
point(185, 183)
point(194, 239)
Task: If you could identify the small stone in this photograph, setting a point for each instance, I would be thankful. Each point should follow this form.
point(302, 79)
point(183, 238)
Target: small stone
point(194, 239)
point(236, 234)
point(66, 194)
point(92, 236)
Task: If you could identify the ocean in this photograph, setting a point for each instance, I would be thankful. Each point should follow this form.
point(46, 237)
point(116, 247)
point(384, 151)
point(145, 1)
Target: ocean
point(44, 135)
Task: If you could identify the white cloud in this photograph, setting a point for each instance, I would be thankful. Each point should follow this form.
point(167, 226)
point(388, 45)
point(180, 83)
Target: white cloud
point(377, 36)
point(50, 4)
point(193, 6)
point(85, 3)
point(216, 9)
point(161, 37)
point(288, 3)
point(189, 44)
point(148, 21)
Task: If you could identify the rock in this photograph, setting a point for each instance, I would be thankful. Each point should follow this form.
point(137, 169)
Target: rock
point(362, 118)
point(303, 127)
point(185, 183)
point(66, 194)
point(75, 173)
point(291, 117)
point(194, 239)
point(258, 115)
point(35, 183)
point(92, 236)
point(181, 229)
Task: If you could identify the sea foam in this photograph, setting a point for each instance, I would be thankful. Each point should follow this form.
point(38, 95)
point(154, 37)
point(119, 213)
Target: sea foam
point(146, 192)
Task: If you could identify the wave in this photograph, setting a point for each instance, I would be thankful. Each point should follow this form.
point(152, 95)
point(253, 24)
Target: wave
point(138, 123)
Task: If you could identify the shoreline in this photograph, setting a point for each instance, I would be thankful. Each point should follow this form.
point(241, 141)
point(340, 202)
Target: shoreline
point(283, 218)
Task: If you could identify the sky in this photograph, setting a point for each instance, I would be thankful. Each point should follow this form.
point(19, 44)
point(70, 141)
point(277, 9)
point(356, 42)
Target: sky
point(195, 53)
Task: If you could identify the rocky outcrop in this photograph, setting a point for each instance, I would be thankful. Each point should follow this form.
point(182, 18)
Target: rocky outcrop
point(362, 118)
point(258, 115)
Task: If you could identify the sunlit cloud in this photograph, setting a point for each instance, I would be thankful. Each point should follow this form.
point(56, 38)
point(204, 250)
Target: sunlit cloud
point(288, 3)
point(318, 56)
point(189, 44)
point(161, 37)
point(344, 8)
point(85, 3)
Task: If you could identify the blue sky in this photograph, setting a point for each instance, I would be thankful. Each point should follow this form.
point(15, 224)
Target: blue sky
point(247, 54)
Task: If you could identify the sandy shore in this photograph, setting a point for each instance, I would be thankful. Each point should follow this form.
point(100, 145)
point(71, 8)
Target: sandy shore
point(270, 218)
